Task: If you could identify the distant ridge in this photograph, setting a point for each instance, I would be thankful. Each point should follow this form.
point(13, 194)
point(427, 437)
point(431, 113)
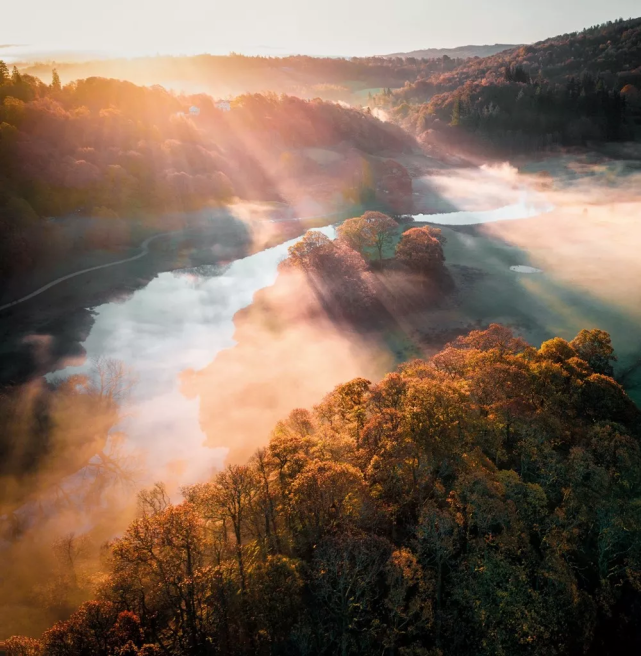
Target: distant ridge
point(462, 52)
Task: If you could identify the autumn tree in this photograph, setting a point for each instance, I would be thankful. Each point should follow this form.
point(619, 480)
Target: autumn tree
point(335, 271)
point(55, 81)
point(4, 73)
point(420, 251)
point(382, 228)
point(371, 230)
point(355, 233)
point(595, 347)
point(482, 501)
point(346, 589)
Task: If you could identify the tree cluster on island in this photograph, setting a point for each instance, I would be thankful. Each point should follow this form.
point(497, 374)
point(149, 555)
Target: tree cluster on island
point(484, 501)
point(340, 270)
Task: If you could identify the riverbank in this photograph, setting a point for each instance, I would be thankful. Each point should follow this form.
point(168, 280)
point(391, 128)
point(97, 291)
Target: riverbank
point(63, 312)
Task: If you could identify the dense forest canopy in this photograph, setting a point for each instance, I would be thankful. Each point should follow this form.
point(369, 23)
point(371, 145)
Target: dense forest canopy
point(110, 149)
point(484, 501)
point(568, 89)
point(612, 50)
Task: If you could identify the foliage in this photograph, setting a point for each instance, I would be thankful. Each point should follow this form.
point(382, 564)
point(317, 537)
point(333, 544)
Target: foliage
point(485, 501)
point(371, 230)
point(336, 272)
point(567, 89)
point(420, 250)
point(135, 151)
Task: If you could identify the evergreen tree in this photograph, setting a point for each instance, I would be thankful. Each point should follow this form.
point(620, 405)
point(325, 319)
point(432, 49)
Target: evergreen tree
point(456, 112)
point(4, 73)
point(55, 80)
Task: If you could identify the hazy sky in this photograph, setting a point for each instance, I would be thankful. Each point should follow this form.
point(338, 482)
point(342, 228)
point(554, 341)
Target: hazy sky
point(328, 27)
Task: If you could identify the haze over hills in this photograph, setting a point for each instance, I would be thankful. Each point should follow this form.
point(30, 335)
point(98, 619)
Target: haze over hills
point(196, 250)
point(460, 52)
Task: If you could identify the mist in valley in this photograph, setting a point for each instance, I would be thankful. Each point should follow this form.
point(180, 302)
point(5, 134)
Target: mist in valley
point(273, 324)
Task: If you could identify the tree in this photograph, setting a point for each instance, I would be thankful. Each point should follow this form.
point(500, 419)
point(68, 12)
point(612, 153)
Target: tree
point(346, 587)
point(232, 495)
point(483, 501)
point(371, 230)
point(595, 347)
point(323, 495)
point(95, 628)
point(337, 273)
point(55, 81)
point(4, 73)
point(420, 251)
point(456, 112)
point(382, 229)
point(160, 572)
point(308, 253)
point(21, 646)
point(354, 232)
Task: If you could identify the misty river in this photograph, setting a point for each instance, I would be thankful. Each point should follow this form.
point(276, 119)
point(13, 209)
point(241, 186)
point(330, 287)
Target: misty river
point(183, 320)
point(180, 321)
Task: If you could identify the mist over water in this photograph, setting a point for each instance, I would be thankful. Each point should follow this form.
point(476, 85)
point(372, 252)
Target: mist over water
point(213, 374)
point(180, 321)
point(524, 209)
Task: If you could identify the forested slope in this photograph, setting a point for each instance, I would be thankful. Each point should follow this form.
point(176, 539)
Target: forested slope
point(568, 89)
point(485, 501)
point(113, 150)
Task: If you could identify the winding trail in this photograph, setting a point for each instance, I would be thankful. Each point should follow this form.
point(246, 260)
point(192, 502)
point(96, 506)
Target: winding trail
point(144, 250)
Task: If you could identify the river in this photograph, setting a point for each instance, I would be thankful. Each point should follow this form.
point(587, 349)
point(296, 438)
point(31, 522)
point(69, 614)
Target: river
point(180, 321)
point(183, 319)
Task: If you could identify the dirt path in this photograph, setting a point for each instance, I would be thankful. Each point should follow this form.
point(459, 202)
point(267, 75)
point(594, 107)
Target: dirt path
point(144, 250)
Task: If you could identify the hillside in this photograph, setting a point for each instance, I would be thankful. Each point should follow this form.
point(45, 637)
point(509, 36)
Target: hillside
point(568, 89)
point(611, 51)
point(482, 502)
point(460, 52)
point(337, 79)
point(117, 151)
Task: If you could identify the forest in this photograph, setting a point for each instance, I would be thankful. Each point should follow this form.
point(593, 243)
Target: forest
point(330, 78)
point(479, 496)
point(115, 151)
point(484, 501)
point(567, 90)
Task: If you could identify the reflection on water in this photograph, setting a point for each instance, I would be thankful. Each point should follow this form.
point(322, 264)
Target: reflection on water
point(179, 321)
point(525, 208)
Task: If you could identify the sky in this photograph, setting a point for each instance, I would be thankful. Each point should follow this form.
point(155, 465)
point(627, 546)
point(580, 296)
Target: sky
point(281, 27)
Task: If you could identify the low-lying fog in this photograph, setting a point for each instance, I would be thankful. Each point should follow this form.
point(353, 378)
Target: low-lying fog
point(198, 396)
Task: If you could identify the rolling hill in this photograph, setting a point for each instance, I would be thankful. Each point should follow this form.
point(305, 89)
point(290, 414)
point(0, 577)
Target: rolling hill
point(460, 52)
